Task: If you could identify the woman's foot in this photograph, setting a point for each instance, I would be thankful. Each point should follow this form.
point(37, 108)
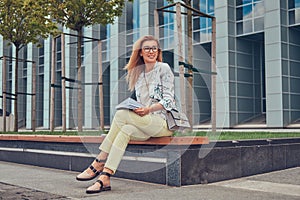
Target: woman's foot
point(92, 171)
point(102, 184)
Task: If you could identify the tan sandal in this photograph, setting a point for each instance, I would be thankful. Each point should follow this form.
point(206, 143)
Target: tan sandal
point(85, 176)
point(102, 188)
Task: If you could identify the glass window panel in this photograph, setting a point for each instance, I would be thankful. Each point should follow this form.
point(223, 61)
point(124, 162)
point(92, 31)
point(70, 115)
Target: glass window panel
point(291, 4)
point(209, 23)
point(258, 9)
point(196, 36)
point(24, 73)
point(171, 17)
point(210, 6)
point(240, 28)
point(203, 6)
point(41, 60)
point(41, 70)
point(292, 17)
point(136, 15)
point(166, 18)
point(247, 1)
point(297, 3)
point(129, 16)
point(203, 23)
point(239, 2)
point(58, 56)
point(297, 15)
point(58, 44)
point(161, 33)
point(203, 35)
point(247, 26)
point(295, 69)
point(284, 34)
point(172, 40)
point(58, 66)
point(196, 23)
point(171, 31)
point(41, 49)
point(247, 12)
point(209, 31)
point(259, 24)
point(239, 14)
point(196, 4)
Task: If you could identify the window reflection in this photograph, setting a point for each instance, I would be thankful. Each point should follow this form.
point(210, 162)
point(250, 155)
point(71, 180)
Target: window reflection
point(202, 25)
point(297, 16)
point(294, 12)
point(250, 16)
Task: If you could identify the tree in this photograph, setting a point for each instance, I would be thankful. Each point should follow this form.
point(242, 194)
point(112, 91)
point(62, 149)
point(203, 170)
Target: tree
point(76, 14)
point(23, 22)
point(190, 58)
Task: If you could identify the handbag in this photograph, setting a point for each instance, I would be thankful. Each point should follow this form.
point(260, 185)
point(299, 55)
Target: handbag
point(177, 120)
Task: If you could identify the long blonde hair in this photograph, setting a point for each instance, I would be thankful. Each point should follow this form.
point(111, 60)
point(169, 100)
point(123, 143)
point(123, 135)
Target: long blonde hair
point(136, 63)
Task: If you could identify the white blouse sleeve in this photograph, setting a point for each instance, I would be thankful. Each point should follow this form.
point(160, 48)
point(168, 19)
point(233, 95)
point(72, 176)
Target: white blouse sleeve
point(167, 81)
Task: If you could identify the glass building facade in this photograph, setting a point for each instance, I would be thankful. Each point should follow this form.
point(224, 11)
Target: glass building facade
point(258, 64)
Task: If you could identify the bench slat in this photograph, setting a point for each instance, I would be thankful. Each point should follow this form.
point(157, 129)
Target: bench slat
point(184, 140)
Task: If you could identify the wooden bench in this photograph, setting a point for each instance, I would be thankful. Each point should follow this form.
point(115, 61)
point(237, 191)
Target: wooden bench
point(182, 140)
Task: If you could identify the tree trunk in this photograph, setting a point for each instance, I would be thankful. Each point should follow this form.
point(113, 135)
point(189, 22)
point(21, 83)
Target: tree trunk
point(80, 116)
point(16, 90)
point(190, 61)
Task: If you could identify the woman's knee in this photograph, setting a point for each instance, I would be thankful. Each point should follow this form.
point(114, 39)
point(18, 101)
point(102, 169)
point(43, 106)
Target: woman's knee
point(133, 133)
point(121, 114)
point(128, 129)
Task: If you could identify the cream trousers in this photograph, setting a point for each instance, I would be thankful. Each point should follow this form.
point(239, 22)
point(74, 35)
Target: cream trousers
point(126, 126)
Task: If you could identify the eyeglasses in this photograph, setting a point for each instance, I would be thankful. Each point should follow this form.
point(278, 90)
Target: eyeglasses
point(147, 49)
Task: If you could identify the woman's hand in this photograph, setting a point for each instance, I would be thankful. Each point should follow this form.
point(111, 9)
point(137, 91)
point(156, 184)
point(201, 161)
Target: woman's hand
point(142, 111)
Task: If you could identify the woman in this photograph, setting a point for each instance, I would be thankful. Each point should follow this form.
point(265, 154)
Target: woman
point(153, 82)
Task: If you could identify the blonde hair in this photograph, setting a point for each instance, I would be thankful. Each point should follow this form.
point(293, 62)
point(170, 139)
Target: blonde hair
point(136, 63)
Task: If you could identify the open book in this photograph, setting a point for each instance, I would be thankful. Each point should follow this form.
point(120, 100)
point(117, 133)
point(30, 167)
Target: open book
point(130, 104)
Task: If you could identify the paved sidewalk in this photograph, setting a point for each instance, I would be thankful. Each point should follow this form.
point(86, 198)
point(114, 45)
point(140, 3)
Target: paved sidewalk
point(29, 182)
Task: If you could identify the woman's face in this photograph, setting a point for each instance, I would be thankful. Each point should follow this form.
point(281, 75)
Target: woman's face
point(149, 51)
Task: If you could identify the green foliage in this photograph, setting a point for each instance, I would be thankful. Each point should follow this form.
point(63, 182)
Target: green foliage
point(25, 21)
point(75, 14)
point(239, 135)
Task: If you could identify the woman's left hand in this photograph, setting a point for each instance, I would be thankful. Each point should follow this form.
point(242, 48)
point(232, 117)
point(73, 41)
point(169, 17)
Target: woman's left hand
point(142, 111)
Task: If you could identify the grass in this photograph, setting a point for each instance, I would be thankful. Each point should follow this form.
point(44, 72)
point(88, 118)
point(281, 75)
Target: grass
point(230, 135)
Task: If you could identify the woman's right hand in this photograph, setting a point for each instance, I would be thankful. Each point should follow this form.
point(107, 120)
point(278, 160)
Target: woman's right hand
point(142, 111)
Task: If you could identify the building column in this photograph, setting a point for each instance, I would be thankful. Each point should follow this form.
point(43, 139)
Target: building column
point(275, 63)
point(47, 79)
point(30, 56)
point(70, 72)
point(91, 76)
point(118, 89)
point(223, 41)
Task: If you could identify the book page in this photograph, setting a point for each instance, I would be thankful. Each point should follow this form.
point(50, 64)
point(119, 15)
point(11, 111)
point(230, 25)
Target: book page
point(130, 104)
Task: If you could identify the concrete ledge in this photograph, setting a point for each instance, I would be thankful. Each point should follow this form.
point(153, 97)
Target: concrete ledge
point(174, 165)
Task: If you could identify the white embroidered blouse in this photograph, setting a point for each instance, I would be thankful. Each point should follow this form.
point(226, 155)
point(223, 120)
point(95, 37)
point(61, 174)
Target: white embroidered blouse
point(156, 86)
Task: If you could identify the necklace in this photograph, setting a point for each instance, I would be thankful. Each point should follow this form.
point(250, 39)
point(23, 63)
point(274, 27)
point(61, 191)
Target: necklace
point(147, 84)
point(151, 71)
